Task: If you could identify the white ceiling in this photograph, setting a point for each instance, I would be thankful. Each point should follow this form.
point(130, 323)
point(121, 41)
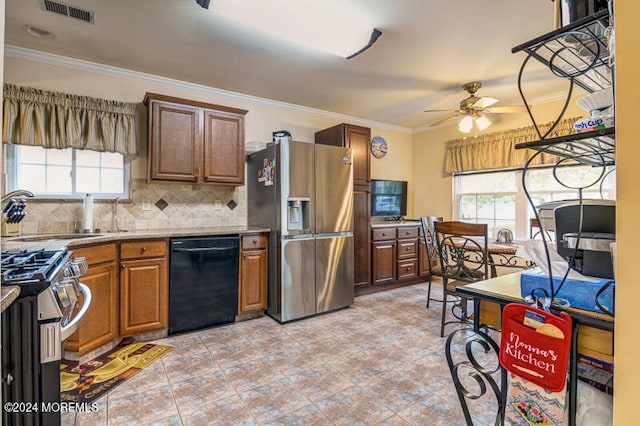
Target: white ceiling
point(428, 49)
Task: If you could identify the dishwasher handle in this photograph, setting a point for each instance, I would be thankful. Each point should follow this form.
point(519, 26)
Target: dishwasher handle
point(202, 249)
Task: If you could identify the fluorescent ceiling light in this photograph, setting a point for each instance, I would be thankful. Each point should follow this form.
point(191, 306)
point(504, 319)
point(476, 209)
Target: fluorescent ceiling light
point(329, 25)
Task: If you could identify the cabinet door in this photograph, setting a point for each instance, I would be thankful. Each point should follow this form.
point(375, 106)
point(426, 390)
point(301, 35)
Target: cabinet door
point(175, 142)
point(223, 147)
point(423, 259)
point(361, 238)
point(143, 296)
point(253, 280)
point(100, 323)
point(358, 138)
point(384, 261)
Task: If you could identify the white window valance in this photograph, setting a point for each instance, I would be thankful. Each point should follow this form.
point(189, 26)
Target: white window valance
point(497, 150)
point(60, 120)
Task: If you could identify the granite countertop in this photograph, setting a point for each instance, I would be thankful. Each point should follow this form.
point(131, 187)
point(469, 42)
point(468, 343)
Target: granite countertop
point(51, 241)
point(394, 223)
point(9, 294)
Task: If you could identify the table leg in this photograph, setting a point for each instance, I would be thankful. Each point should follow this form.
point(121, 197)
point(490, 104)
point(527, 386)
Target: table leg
point(573, 374)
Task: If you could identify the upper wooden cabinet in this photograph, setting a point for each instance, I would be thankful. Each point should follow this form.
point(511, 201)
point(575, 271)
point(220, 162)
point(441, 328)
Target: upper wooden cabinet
point(196, 142)
point(357, 138)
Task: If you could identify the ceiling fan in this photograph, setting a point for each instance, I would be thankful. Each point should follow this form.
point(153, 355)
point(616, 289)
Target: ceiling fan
point(474, 109)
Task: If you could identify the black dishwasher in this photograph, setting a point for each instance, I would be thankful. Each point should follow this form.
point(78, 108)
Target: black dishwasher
point(203, 282)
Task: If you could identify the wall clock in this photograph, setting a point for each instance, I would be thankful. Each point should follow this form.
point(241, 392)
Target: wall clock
point(378, 147)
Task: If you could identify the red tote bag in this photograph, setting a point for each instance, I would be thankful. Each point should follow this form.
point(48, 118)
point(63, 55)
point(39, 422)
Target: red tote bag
point(535, 345)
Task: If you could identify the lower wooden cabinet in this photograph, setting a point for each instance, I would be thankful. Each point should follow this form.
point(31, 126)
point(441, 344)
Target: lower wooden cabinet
point(100, 325)
point(395, 255)
point(254, 261)
point(423, 257)
point(144, 290)
point(129, 284)
point(383, 255)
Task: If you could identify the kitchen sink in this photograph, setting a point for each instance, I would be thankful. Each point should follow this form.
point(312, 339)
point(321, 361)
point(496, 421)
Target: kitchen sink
point(53, 237)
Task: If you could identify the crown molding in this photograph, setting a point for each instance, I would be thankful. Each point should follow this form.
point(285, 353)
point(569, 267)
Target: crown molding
point(111, 71)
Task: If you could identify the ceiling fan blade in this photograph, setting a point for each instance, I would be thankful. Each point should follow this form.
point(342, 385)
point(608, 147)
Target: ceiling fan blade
point(484, 102)
point(445, 120)
point(442, 110)
point(508, 109)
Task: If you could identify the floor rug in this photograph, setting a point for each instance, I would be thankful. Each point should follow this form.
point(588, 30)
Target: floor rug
point(87, 382)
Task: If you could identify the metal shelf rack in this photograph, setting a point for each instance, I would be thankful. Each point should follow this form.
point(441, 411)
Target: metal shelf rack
point(578, 52)
point(594, 148)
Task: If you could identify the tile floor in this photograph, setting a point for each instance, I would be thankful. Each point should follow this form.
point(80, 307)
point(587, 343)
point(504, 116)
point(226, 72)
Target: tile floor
point(379, 362)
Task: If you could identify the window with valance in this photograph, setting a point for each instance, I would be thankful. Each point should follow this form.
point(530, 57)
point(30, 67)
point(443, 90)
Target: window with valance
point(497, 150)
point(60, 120)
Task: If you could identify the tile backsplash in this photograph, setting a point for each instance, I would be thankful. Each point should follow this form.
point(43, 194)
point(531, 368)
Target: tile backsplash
point(152, 206)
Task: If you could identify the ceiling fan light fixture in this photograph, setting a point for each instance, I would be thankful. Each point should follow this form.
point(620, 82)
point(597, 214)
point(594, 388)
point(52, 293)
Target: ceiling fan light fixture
point(482, 122)
point(466, 124)
point(328, 26)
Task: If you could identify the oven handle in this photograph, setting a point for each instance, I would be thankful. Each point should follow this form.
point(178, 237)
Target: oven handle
point(70, 328)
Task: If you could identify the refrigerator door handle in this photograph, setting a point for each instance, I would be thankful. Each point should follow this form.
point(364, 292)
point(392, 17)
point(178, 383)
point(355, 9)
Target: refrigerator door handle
point(334, 235)
point(298, 237)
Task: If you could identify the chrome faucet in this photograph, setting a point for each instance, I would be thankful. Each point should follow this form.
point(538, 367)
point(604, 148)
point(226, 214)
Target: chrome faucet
point(17, 193)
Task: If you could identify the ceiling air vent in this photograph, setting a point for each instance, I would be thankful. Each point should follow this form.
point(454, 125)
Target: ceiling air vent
point(68, 10)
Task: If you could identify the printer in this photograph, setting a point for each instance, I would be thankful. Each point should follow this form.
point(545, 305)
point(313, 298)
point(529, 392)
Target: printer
point(593, 239)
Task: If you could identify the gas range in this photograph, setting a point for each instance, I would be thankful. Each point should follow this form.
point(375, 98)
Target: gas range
point(36, 271)
point(35, 325)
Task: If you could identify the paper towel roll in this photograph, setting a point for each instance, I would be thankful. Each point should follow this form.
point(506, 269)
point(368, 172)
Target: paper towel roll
point(87, 222)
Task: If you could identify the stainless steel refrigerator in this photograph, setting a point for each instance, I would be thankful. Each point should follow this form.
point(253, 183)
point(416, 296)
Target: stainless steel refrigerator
point(303, 193)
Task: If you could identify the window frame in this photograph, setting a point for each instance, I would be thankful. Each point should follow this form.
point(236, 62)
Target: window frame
point(11, 177)
point(524, 211)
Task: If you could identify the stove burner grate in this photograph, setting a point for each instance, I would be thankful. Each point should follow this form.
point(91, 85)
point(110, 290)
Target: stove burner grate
point(30, 265)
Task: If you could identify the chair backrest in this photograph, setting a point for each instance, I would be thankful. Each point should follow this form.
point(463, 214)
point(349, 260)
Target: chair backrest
point(463, 250)
point(428, 233)
point(535, 223)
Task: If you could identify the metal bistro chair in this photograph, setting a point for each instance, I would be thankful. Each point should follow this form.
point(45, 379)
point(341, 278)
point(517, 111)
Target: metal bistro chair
point(433, 255)
point(463, 259)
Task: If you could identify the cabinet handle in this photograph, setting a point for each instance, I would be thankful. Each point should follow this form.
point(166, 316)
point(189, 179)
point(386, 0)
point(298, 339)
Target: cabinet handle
point(255, 241)
point(195, 178)
point(384, 234)
point(123, 266)
point(143, 249)
point(205, 178)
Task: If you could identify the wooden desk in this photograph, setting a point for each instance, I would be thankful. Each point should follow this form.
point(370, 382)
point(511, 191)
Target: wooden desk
point(592, 333)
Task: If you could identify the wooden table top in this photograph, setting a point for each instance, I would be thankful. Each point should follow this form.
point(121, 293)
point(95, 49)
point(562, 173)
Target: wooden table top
point(493, 247)
point(502, 248)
